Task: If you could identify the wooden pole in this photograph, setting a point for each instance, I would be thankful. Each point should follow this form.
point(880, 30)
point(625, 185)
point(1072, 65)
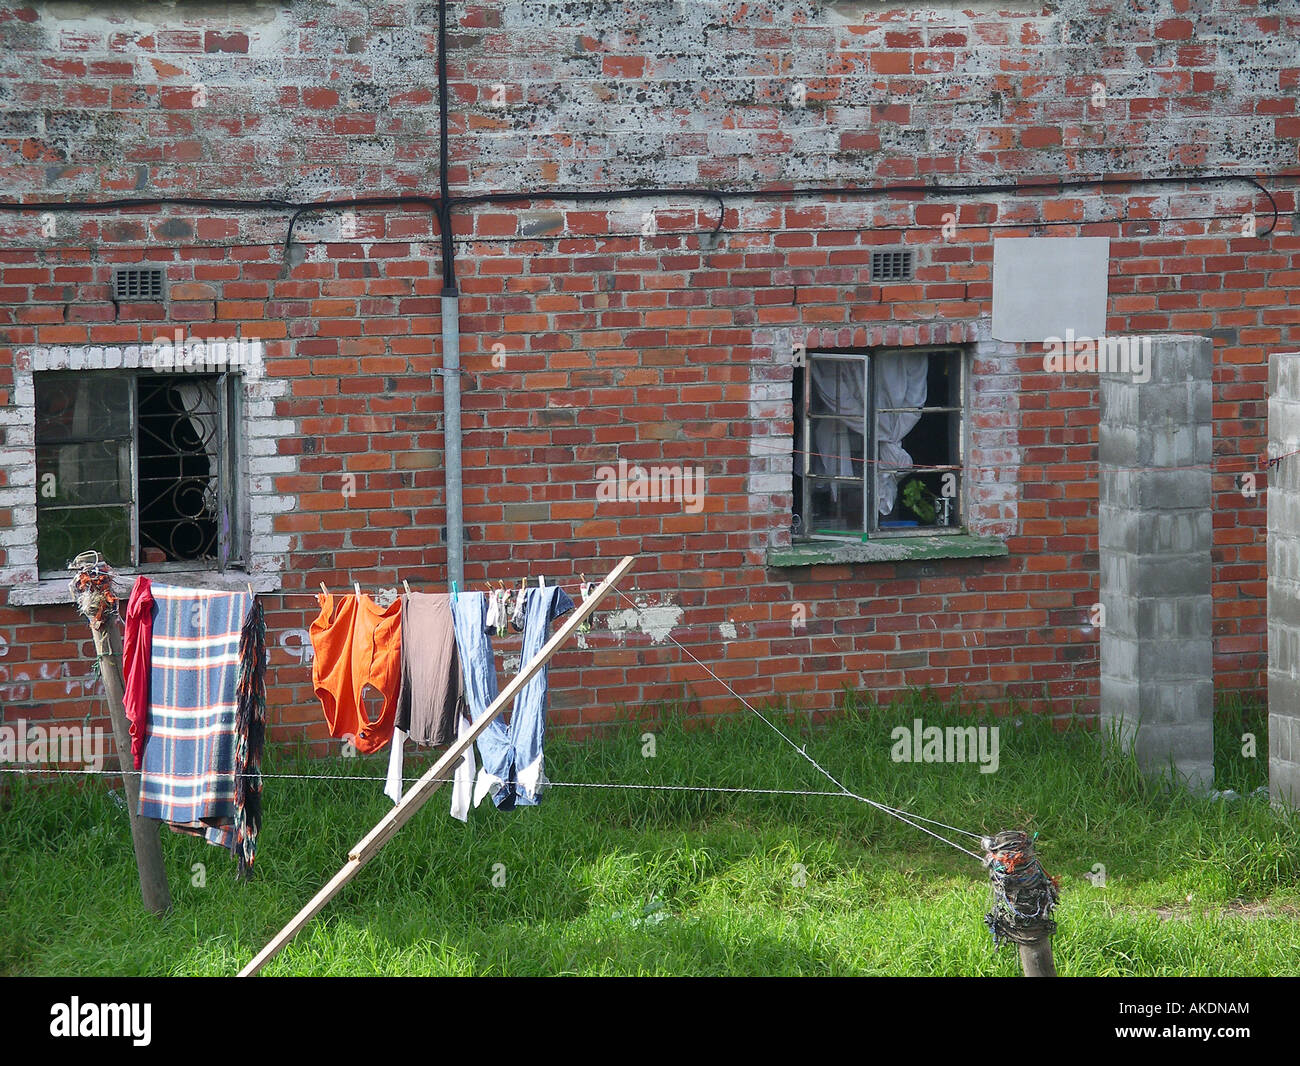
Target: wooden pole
point(1036, 958)
point(144, 831)
point(420, 792)
point(1024, 898)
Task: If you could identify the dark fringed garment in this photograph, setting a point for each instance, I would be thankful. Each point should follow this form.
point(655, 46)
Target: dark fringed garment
point(249, 739)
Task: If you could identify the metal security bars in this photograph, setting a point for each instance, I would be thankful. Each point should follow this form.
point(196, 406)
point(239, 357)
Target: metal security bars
point(138, 466)
point(879, 443)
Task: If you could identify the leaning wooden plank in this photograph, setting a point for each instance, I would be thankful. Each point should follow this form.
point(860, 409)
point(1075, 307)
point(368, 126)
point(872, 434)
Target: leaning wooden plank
point(420, 792)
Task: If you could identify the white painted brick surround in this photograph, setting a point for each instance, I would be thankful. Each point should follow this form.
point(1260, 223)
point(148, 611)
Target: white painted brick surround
point(258, 431)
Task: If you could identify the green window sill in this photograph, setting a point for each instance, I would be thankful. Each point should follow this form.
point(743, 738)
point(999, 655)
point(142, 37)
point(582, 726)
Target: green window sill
point(887, 550)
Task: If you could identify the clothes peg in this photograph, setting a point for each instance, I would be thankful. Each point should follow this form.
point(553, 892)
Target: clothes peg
point(250, 589)
point(406, 586)
point(323, 590)
point(541, 581)
point(356, 587)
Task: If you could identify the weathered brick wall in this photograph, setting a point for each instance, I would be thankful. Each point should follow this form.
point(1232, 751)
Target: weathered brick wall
point(585, 339)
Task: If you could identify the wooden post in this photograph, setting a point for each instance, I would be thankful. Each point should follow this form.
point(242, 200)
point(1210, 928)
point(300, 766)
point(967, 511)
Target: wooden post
point(144, 831)
point(1036, 958)
point(419, 793)
point(1024, 897)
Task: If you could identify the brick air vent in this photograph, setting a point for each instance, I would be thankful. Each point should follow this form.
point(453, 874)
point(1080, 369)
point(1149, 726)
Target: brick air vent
point(138, 284)
point(891, 266)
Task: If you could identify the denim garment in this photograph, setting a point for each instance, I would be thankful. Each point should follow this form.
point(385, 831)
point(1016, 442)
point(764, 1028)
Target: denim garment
point(512, 754)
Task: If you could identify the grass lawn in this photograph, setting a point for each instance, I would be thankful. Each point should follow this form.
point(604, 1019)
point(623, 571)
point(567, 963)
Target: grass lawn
point(612, 881)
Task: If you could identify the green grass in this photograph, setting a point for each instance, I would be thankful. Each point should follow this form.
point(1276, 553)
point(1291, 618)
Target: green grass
point(636, 882)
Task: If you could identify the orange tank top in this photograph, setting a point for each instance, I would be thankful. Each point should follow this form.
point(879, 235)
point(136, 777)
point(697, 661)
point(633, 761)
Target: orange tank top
point(360, 644)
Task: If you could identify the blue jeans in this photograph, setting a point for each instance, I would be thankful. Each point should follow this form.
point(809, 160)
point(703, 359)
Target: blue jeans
point(512, 754)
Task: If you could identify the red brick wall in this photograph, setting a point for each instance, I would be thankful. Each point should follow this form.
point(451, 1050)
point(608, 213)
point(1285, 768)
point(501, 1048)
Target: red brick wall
point(658, 348)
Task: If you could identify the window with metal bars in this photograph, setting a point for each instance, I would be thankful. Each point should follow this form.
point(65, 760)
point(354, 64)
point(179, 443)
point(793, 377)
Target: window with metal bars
point(139, 466)
point(879, 443)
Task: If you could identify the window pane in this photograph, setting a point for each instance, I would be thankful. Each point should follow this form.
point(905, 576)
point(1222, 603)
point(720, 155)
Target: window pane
point(925, 498)
point(71, 474)
point(928, 497)
point(82, 407)
point(839, 387)
point(942, 381)
point(836, 506)
point(180, 467)
point(901, 391)
point(62, 533)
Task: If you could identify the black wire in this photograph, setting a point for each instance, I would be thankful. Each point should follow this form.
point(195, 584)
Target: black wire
point(442, 208)
point(855, 191)
point(364, 201)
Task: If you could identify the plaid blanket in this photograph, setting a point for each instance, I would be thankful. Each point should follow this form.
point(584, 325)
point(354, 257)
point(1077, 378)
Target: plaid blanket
point(205, 729)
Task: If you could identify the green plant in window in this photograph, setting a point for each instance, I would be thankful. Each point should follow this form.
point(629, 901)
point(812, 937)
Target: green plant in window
point(919, 500)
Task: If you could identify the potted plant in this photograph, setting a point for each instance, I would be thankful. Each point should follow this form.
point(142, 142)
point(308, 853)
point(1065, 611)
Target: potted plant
point(920, 501)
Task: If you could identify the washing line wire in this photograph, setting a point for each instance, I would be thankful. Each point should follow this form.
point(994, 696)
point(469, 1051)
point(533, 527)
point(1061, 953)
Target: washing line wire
point(449, 780)
point(903, 816)
point(894, 812)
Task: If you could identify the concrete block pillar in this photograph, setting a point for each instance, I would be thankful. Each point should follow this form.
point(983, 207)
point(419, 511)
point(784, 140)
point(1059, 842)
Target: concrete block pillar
point(1284, 580)
point(1157, 682)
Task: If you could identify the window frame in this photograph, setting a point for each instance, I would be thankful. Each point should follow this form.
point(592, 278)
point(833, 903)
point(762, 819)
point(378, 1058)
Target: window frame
point(231, 541)
point(960, 356)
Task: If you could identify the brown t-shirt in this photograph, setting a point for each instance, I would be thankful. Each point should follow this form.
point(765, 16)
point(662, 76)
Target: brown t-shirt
point(432, 694)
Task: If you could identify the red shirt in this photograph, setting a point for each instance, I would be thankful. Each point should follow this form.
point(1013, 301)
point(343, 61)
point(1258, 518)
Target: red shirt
point(137, 660)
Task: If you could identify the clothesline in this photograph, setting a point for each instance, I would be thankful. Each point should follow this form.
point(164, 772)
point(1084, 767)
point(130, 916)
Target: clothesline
point(36, 770)
point(388, 586)
point(803, 750)
point(903, 816)
point(449, 780)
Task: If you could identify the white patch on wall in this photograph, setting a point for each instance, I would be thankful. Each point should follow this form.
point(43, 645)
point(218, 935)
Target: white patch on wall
point(655, 621)
point(728, 630)
point(1044, 286)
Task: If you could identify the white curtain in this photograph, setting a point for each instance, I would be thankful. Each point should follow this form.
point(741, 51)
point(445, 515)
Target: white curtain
point(900, 382)
point(838, 390)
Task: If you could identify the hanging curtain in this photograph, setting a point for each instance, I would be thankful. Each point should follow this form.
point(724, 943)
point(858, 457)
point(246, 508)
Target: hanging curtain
point(838, 387)
point(900, 382)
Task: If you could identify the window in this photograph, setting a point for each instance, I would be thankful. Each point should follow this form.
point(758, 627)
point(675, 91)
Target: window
point(139, 466)
point(879, 443)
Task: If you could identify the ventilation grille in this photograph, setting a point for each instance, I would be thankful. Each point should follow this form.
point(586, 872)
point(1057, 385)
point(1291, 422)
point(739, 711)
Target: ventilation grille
point(138, 284)
point(891, 266)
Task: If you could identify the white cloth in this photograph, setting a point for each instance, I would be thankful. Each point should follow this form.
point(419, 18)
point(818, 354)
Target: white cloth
point(462, 782)
point(486, 785)
point(393, 783)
